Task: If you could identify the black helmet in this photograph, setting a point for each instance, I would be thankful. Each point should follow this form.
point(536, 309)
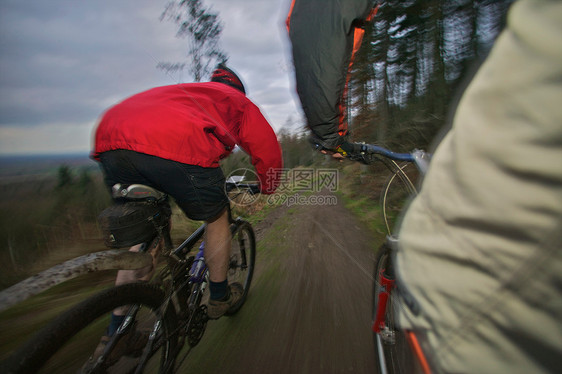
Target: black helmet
point(224, 75)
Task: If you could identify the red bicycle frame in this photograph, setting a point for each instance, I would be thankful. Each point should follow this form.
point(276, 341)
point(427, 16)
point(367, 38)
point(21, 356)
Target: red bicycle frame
point(387, 285)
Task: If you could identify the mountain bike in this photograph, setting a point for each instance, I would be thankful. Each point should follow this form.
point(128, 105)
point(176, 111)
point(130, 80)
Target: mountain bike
point(163, 315)
point(398, 351)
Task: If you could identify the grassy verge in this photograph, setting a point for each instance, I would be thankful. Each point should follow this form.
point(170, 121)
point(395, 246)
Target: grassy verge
point(360, 189)
point(366, 211)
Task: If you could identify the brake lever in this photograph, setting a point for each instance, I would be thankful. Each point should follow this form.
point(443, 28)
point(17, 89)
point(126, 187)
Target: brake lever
point(361, 155)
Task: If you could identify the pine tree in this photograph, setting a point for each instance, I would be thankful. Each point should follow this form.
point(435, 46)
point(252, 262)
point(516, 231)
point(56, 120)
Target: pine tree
point(202, 29)
point(413, 62)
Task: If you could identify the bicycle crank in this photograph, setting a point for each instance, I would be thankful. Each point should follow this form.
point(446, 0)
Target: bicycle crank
point(196, 326)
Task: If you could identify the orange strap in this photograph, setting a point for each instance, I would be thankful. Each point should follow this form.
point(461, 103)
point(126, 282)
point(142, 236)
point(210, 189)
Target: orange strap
point(288, 21)
point(358, 34)
point(418, 351)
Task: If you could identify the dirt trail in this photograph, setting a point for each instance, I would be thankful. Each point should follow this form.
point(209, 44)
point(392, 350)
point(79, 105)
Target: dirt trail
point(309, 309)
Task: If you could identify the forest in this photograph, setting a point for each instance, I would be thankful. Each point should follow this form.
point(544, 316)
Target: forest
point(413, 65)
point(416, 58)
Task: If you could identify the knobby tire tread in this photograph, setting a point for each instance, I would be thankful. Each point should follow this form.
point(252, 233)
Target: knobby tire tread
point(251, 258)
point(35, 353)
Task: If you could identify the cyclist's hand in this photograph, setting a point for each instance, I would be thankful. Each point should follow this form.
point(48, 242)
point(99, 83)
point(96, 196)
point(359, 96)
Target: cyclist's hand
point(320, 146)
point(345, 149)
point(348, 149)
point(336, 155)
point(353, 151)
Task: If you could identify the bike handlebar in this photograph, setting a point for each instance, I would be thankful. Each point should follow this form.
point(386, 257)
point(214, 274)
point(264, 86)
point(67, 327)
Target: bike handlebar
point(366, 153)
point(378, 150)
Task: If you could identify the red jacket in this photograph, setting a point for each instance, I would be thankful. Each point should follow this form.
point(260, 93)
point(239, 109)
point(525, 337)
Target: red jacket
point(192, 123)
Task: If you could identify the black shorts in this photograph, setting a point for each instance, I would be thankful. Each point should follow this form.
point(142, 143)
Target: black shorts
point(197, 190)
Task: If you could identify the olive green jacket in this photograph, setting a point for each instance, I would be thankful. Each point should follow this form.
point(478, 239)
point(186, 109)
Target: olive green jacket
point(481, 246)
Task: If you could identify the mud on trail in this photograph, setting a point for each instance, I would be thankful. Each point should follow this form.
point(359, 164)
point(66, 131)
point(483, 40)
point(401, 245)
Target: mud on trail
point(309, 308)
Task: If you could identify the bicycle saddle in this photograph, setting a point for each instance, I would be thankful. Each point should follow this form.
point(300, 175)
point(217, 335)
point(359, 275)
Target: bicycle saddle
point(136, 192)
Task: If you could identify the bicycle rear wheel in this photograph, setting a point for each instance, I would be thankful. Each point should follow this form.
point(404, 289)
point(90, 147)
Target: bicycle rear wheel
point(68, 342)
point(242, 259)
point(392, 346)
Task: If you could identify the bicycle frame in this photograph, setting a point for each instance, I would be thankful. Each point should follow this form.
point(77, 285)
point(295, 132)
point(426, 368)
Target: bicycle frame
point(387, 284)
point(199, 276)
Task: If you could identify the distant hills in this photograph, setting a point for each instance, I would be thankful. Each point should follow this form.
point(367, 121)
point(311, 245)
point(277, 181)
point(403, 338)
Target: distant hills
point(26, 165)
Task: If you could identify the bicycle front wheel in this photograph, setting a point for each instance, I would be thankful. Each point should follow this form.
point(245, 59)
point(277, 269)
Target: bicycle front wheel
point(67, 345)
point(242, 259)
point(398, 190)
point(393, 349)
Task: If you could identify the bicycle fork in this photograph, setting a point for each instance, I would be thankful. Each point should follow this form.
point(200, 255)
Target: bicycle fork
point(387, 284)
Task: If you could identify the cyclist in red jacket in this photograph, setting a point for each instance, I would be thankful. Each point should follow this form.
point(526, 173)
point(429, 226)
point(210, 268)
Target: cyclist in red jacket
point(172, 138)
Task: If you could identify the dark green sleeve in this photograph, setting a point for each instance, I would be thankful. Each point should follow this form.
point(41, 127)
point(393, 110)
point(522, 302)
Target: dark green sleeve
point(321, 33)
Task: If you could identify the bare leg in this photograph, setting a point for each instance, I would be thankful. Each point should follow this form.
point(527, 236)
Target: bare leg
point(217, 246)
point(142, 274)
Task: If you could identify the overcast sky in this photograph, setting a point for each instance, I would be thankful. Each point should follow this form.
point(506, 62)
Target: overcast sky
point(63, 62)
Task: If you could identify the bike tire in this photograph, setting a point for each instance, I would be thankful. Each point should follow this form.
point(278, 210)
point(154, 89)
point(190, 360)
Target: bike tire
point(75, 328)
point(242, 260)
point(392, 347)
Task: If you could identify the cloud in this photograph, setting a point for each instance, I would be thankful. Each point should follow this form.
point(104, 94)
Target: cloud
point(48, 138)
point(63, 62)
